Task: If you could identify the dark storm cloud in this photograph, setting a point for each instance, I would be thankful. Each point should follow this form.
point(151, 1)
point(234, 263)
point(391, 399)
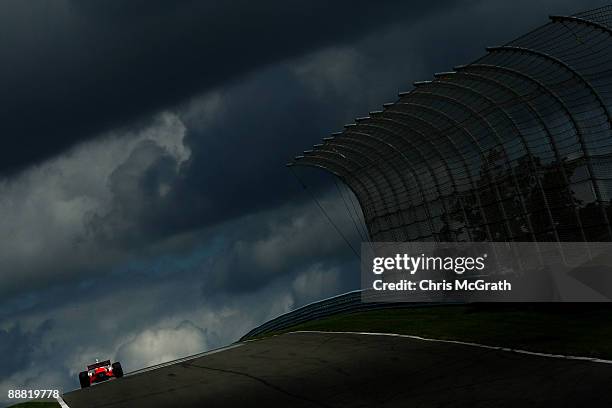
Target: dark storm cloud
point(235, 167)
point(73, 68)
point(18, 347)
point(284, 243)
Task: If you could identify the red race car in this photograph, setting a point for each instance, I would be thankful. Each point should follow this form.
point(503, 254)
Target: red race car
point(99, 372)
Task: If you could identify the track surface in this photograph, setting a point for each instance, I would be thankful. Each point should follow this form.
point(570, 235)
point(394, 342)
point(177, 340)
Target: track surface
point(340, 370)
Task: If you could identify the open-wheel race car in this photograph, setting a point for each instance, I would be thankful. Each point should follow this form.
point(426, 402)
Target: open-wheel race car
point(100, 371)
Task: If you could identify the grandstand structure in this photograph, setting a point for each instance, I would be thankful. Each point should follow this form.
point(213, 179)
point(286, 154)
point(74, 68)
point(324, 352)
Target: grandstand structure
point(515, 146)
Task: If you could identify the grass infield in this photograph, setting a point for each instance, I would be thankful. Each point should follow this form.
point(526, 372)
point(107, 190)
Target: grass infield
point(570, 328)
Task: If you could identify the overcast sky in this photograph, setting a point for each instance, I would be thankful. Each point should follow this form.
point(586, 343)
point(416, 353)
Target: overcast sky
point(145, 210)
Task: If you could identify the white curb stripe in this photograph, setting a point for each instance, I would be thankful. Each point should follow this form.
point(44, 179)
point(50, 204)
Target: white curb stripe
point(62, 402)
point(465, 343)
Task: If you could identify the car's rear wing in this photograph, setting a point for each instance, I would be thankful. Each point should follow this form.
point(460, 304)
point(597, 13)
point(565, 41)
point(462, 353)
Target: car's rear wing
point(100, 364)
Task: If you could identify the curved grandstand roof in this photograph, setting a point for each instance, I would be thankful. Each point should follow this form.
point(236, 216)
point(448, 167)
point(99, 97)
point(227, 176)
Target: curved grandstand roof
point(515, 146)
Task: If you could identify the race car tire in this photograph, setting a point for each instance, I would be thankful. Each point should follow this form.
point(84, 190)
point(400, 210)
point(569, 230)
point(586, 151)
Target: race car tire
point(117, 370)
point(84, 379)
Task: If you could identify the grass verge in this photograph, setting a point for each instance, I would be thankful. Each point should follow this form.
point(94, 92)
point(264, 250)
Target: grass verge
point(571, 329)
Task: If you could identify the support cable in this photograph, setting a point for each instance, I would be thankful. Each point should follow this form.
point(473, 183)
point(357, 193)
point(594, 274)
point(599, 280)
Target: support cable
point(324, 212)
point(348, 210)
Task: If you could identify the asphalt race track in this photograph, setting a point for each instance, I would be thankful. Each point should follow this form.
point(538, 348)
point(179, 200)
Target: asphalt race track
point(340, 370)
